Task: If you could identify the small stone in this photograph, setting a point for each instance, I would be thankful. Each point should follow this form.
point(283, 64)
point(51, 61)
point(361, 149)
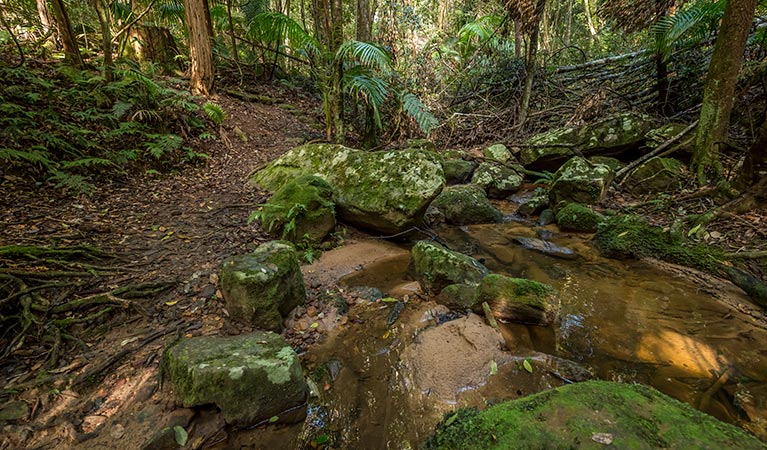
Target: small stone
point(214, 279)
point(602, 438)
point(311, 311)
point(117, 431)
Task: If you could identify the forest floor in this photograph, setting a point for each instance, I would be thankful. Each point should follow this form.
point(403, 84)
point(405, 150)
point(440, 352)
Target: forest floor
point(178, 228)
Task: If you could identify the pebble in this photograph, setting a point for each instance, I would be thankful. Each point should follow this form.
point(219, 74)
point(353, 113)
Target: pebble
point(117, 431)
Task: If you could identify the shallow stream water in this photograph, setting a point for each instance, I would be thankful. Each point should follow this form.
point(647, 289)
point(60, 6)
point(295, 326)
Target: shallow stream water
point(385, 386)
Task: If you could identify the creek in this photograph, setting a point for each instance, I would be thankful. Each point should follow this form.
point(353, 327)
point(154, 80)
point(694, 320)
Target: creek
point(385, 380)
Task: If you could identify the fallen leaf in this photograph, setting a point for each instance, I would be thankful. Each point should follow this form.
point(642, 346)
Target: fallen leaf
point(528, 367)
point(181, 435)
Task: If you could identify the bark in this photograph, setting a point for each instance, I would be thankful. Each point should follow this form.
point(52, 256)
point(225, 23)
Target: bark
point(46, 20)
point(64, 27)
point(337, 97)
point(235, 54)
point(106, 37)
point(590, 20)
point(719, 90)
point(200, 47)
point(755, 165)
point(155, 44)
point(530, 65)
point(517, 39)
point(363, 21)
point(569, 29)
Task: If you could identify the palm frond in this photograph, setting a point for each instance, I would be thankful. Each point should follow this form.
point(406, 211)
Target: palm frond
point(360, 83)
point(368, 54)
point(251, 8)
point(273, 27)
point(688, 25)
point(414, 107)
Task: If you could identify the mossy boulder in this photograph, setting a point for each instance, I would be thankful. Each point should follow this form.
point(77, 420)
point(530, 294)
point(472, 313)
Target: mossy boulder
point(589, 415)
point(534, 205)
point(613, 163)
point(612, 136)
point(457, 171)
point(250, 377)
point(659, 136)
point(498, 153)
point(519, 300)
point(436, 267)
point(383, 191)
point(631, 236)
point(580, 181)
point(458, 296)
point(466, 204)
point(497, 180)
point(262, 287)
point(575, 217)
point(655, 175)
point(302, 210)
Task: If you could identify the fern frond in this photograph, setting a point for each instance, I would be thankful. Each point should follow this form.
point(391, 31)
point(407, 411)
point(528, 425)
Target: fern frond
point(120, 108)
point(75, 183)
point(366, 53)
point(413, 107)
point(86, 162)
point(215, 112)
point(33, 156)
point(688, 25)
point(371, 89)
point(162, 144)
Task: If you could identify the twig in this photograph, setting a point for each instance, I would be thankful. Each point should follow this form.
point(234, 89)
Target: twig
point(746, 255)
point(655, 152)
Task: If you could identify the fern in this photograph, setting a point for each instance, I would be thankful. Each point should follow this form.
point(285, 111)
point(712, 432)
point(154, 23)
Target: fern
point(215, 112)
point(120, 108)
point(369, 55)
point(413, 107)
point(34, 156)
point(163, 144)
point(687, 26)
point(73, 183)
point(372, 90)
point(87, 162)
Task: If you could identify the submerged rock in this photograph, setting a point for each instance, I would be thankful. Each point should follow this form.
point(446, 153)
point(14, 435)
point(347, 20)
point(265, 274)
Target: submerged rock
point(497, 180)
point(519, 300)
point(577, 217)
point(546, 247)
point(580, 181)
point(262, 287)
point(436, 267)
point(609, 137)
point(302, 210)
point(250, 377)
point(383, 191)
point(466, 204)
point(592, 414)
point(655, 175)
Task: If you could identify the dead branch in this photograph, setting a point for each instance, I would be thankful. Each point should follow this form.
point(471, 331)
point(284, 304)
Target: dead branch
point(621, 173)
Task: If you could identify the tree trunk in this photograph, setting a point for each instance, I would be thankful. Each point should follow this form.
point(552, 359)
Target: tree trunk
point(155, 44)
point(64, 27)
point(719, 90)
point(755, 166)
point(590, 20)
point(363, 21)
point(235, 54)
point(106, 37)
point(569, 30)
point(661, 69)
point(46, 20)
point(200, 47)
point(517, 39)
point(337, 97)
point(530, 65)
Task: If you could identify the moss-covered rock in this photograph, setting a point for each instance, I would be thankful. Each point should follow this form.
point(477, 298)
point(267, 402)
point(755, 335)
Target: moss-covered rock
point(436, 267)
point(421, 144)
point(519, 300)
point(457, 171)
point(249, 377)
point(497, 180)
point(613, 163)
point(466, 204)
point(655, 175)
point(577, 217)
point(498, 153)
point(580, 181)
point(458, 296)
point(384, 191)
point(534, 205)
point(301, 211)
point(589, 415)
point(262, 287)
point(633, 237)
point(612, 136)
point(658, 136)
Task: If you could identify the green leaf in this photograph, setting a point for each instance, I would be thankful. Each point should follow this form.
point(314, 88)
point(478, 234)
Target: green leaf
point(274, 419)
point(694, 230)
point(389, 300)
point(181, 435)
point(526, 364)
point(322, 439)
point(493, 368)
point(451, 419)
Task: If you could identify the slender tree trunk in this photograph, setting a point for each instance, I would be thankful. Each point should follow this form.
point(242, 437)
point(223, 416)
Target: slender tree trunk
point(46, 20)
point(200, 46)
point(661, 69)
point(719, 90)
point(530, 65)
point(337, 29)
point(590, 20)
point(517, 39)
point(569, 29)
point(363, 20)
point(235, 53)
point(106, 37)
point(64, 27)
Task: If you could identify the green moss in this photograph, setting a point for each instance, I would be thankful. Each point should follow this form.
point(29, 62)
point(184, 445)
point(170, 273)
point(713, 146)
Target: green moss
point(578, 218)
point(579, 181)
point(637, 417)
point(463, 205)
point(302, 210)
point(518, 299)
point(632, 237)
point(457, 170)
point(436, 267)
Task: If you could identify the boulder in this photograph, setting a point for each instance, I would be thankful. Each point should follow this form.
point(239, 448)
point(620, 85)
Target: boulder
point(497, 180)
point(534, 205)
point(301, 211)
point(498, 153)
point(546, 247)
point(655, 175)
point(613, 163)
point(458, 296)
point(519, 300)
point(580, 181)
point(576, 217)
point(250, 377)
point(435, 267)
point(384, 191)
point(589, 415)
point(262, 287)
point(457, 171)
point(659, 136)
point(466, 204)
point(612, 136)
